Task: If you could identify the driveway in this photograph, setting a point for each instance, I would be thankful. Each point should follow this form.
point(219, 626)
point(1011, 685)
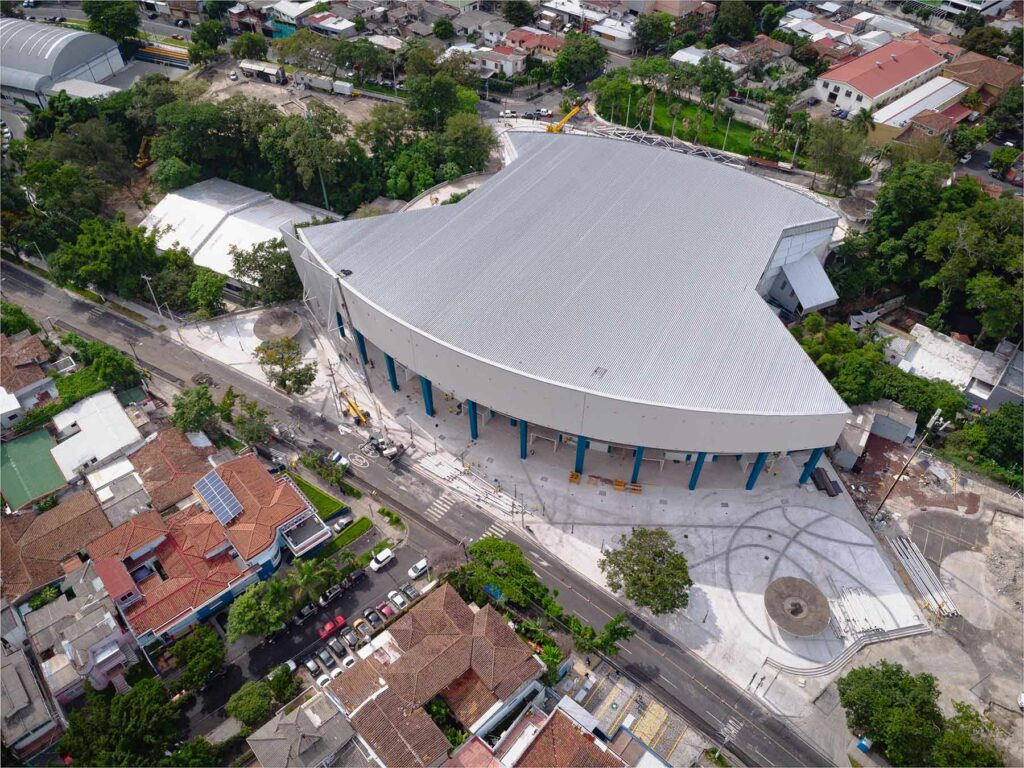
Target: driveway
point(976, 167)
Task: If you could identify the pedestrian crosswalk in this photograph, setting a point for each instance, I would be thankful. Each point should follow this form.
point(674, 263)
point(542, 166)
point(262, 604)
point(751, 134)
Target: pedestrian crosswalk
point(496, 529)
point(440, 507)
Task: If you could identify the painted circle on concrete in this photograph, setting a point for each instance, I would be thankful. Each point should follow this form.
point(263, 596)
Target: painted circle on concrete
point(359, 460)
point(964, 575)
point(797, 606)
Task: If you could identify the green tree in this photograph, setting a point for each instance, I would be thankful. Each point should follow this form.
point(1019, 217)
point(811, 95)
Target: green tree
point(253, 703)
point(212, 33)
point(966, 740)
point(468, 142)
point(1002, 158)
point(360, 22)
point(268, 267)
point(281, 361)
point(651, 31)
point(200, 654)
point(194, 753)
point(432, 98)
point(498, 568)
point(1008, 114)
point(310, 577)
point(614, 631)
point(284, 685)
point(201, 53)
point(389, 128)
point(14, 319)
point(966, 139)
point(1004, 434)
point(650, 70)
point(969, 19)
point(649, 570)
point(580, 58)
point(114, 369)
point(174, 173)
point(206, 293)
point(109, 256)
point(836, 152)
point(896, 709)
point(251, 423)
point(999, 302)
point(116, 19)
point(249, 45)
point(519, 13)
point(734, 20)
point(135, 728)
point(227, 405)
point(261, 609)
point(770, 17)
point(443, 29)
point(194, 410)
point(988, 41)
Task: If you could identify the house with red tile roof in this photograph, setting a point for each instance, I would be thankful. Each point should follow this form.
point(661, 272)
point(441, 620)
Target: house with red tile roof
point(879, 76)
point(534, 42)
point(166, 573)
point(987, 77)
point(23, 382)
point(169, 464)
point(442, 648)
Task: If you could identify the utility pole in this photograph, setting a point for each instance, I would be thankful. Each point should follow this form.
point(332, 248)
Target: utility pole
point(927, 430)
point(152, 295)
point(726, 139)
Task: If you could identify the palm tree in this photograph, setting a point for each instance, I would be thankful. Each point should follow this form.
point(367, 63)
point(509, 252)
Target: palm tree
point(674, 110)
point(308, 578)
point(863, 122)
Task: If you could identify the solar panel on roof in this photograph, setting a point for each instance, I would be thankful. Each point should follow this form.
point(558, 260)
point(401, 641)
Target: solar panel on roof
point(218, 497)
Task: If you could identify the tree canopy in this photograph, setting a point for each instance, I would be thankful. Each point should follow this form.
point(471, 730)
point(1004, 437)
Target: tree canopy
point(282, 362)
point(194, 410)
point(117, 19)
point(580, 58)
point(253, 703)
point(249, 45)
point(261, 609)
point(268, 267)
point(649, 570)
point(652, 30)
point(202, 654)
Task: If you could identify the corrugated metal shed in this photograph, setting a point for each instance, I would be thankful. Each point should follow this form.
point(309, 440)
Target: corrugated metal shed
point(589, 254)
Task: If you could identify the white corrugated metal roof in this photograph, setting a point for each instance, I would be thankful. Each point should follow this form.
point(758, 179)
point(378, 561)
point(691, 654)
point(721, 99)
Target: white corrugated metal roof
point(936, 94)
point(209, 217)
point(105, 431)
point(590, 253)
point(810, 283)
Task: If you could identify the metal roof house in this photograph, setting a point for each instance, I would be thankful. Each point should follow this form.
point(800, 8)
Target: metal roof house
point(596, 289)
point(39, 58)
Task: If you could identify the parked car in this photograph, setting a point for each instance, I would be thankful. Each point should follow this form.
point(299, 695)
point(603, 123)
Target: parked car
point(181, 23)
point(337, 646)
point(418, 569)
point(813, 101)
point(350, 637)
point(336, 672)
point(312, 666)
point(381, 559)
point(342, 522)
point(304, 613)
point(353, 577)
point(332, 626)
point(177, 37)
point(152, 15)
point(323, 681)
point(967, 158)
point(232, 75)
point(348, 662)
point(325, 658)
point(398, 599)
point(330, 594)
point(544, 112)
point(409, 591)
point(373, 617)
point(385, 609)
point(737, 99)
point(843, 114)
point(363, 629)
point(508, 113)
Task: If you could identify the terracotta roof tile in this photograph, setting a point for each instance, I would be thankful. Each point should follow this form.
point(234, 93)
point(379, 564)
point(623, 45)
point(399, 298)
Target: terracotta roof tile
point(469, 698)
point(561, 743)
point(402, 735)
point(169, 466)
point(131, 536)
point(20, 362)
point(267, 503)
point(977, 70)
point(34, 546)
point(877, 72)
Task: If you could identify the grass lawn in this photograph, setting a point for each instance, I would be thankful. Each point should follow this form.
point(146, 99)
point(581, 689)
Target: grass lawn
point(27, 470)
point(326, 505)
point(357, 530)
point(709, 134)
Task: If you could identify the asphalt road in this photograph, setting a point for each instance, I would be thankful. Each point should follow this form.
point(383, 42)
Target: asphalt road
point(71, 10)
point(976, 167)
point(680, 678)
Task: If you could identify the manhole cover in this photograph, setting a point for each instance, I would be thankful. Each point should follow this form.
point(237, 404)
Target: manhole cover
point(797, 606)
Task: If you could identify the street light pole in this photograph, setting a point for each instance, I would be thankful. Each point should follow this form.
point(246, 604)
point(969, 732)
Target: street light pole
point(156, 303)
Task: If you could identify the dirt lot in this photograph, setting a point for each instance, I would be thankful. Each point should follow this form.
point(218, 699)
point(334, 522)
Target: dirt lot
point(286, 98)
point(971, 531)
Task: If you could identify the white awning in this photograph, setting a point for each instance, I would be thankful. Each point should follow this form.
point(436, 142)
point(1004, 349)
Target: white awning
point(810, 283)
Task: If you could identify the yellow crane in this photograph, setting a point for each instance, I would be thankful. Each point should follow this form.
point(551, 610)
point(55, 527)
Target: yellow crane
point(143, 159)
point(557, 127)
point(353, 408)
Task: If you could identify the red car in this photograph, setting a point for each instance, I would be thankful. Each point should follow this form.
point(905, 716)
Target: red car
point(385, 610)
point(332, 626)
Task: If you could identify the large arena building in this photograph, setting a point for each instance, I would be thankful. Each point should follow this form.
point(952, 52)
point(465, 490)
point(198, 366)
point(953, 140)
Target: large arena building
point(598, 293)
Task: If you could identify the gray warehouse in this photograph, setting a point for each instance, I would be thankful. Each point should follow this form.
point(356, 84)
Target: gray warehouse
point(43, 59)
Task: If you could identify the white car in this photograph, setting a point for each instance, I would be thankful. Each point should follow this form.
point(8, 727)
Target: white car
point(544, 112)
point(381, 559)
point(312, 666)
point(348, 662)
point(398, 599)
point(509, 113)
point(336, 672)
point(419, 569)
point(323, 681)
point(232, 75)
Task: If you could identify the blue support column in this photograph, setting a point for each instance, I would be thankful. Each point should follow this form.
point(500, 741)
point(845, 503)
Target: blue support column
point(522, 438)
point(636, 463)
point(581, 452)
point(695, 475)
point(810, 465)
point(473, 433)
point(361, 343)
point(389, 363)
point(755, 471)
point(341, 324)
point(428, 395)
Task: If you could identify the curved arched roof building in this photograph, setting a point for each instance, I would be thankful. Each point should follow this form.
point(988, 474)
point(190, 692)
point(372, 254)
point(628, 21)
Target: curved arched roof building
point(37, 56)
point(597, 289)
